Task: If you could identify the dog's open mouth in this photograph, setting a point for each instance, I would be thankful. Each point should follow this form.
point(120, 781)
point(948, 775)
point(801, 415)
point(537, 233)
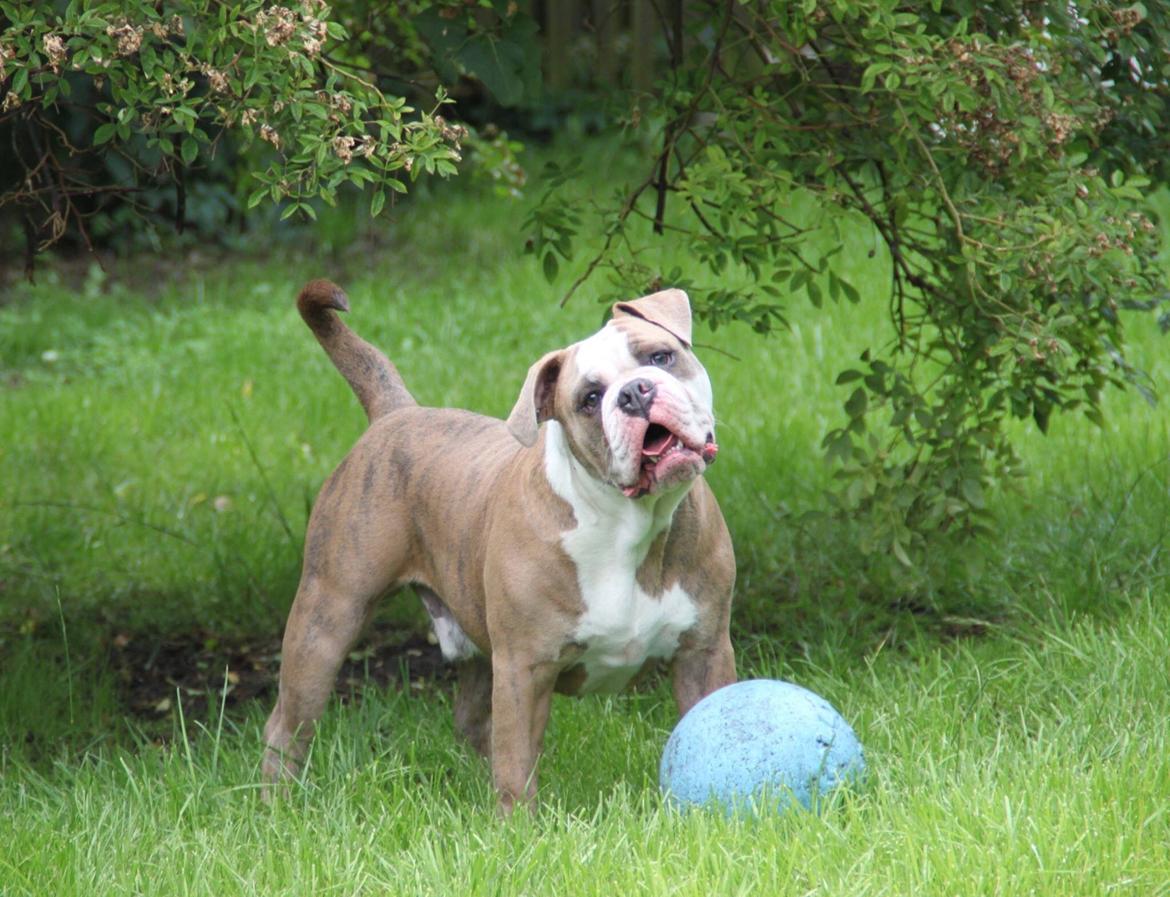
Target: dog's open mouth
point(665, 456)
point(657, 443)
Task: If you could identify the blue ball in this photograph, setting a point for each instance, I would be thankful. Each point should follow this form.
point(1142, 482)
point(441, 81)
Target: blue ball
point(759, 744)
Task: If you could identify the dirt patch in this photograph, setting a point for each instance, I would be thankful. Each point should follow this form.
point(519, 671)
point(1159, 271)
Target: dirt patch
point(199, 670)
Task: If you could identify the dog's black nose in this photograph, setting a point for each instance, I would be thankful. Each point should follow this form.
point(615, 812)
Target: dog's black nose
point(636, 397)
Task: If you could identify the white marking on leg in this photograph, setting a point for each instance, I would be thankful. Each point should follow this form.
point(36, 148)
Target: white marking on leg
point(453, 641)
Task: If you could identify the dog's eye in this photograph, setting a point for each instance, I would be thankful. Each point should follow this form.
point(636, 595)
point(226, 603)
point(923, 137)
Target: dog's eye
point(663, 359)
point(590, 401)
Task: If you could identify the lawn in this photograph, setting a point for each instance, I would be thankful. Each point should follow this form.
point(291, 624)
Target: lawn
point(166, 427)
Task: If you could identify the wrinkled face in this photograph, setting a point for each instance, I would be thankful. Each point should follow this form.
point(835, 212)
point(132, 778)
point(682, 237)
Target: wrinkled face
point(636, 406)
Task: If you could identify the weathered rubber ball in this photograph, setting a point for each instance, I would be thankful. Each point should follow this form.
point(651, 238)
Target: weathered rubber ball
point(759, 744)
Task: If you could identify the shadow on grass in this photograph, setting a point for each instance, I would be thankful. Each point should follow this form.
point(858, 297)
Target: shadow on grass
point(805, 595)
point(71, 689)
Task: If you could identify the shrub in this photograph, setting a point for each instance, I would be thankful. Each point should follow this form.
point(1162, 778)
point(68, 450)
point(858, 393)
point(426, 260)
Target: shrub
point(108, 101)
point(1000, 152)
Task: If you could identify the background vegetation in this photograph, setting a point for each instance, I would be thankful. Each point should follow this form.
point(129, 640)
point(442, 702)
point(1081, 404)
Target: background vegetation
point(168, 430)
point(168, 421)
point(997, 155)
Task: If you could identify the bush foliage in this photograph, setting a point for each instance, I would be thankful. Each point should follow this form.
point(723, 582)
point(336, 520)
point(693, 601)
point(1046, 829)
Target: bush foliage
point(107, 100)
point(998, 152)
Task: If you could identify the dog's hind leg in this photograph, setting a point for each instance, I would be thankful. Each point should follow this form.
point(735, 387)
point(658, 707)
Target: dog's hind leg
point(473, 696)
point(322, 626)
point(473, 703)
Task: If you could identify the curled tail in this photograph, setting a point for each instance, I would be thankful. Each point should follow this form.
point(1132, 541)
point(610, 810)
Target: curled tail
point(374, 380)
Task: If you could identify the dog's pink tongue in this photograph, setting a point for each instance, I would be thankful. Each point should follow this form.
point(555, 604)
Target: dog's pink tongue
point(710, 450)
point(656, 445)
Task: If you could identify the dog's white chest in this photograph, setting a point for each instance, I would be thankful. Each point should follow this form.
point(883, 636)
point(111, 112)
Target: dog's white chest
point(623, 626)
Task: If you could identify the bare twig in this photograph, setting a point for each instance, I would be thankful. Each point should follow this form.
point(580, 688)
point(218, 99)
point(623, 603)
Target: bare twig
point(615, 228)
point(284, 524)
point(106, 512)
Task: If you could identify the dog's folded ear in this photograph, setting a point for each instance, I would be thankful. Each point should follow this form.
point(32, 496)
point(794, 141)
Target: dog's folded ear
point(535, 403)
point(669, 309)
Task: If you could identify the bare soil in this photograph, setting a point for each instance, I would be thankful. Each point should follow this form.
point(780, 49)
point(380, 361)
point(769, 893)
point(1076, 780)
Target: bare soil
point(199, 670)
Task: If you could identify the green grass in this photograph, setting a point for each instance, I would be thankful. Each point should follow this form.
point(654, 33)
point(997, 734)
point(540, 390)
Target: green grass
point(1012, 694)
point(1014, 766)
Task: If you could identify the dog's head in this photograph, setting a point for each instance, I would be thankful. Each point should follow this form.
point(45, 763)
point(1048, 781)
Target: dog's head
point(633, 400)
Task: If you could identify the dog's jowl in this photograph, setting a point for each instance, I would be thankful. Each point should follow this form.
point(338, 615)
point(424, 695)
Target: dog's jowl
point(565, 549)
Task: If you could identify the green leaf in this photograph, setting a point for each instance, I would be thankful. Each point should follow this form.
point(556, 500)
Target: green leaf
point(190, 150)
point(972, 491)
point(104, 133)
point(838, 446)
point(869, 77)
point(814, 294)
point(858, 402)
point(377, 202)
point(550, 267)
point(900, 553)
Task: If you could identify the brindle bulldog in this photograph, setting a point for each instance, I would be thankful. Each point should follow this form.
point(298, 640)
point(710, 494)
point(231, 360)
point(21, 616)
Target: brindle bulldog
point(565, 549)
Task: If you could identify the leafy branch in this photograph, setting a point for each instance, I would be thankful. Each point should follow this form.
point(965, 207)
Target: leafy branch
point(1001, 163)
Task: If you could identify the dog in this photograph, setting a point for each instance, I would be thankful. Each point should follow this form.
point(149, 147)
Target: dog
point(566, 549)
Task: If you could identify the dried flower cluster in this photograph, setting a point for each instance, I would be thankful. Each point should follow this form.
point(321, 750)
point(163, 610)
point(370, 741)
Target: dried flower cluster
point(990, 134)
point(172, 87)
point(216, 79)
point(339, 104)
point(345, 147)
point(314, 39)
point(269, 135)
point(1126, 19)
point(55, 50)
point(278, 24)
point(128, 37)
point(1123, 234)
point(454, 134)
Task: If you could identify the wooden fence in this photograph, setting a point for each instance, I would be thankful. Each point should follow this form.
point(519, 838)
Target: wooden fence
point(620, 36)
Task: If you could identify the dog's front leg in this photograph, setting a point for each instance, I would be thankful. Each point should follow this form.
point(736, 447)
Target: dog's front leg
point(521, 698)
point(700, 670)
